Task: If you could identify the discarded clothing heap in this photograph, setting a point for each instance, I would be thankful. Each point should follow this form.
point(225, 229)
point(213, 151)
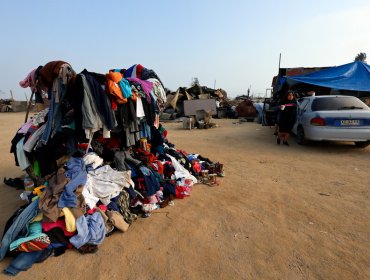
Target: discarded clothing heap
point(97, 159)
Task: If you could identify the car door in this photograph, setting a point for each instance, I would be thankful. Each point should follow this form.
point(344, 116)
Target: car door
point(301, 109)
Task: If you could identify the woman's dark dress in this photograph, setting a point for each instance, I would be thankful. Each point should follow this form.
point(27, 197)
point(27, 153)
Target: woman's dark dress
point(287, 117)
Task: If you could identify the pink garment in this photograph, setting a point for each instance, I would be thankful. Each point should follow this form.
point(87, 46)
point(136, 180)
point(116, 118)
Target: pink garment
point(29, 81)
point(60, 223)
point(25, 127)
point(153, 199)
point(289, 105)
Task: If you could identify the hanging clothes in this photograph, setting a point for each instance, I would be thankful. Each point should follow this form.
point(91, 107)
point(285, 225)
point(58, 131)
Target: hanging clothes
point(139, 108)
point(122, 83)
point(129, 123)
point(145, 85)
point(159, 92)
point(91, 120)
point(55, 76)
point(101, 99)
point(134, 71)
point(147, 74)
point(21, 155)
point(114, 90)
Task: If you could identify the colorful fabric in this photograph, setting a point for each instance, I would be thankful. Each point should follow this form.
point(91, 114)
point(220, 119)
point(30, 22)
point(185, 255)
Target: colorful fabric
point(34, 231)
point(114, 90)
point(145, 85)
point(60, 223)
point(36, 244)
point(123, 84)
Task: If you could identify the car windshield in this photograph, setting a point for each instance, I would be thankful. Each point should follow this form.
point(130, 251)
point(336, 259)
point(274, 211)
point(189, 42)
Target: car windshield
point(338, 103)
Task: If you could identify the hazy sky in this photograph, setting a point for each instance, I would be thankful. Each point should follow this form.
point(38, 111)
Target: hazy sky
point(234, 43)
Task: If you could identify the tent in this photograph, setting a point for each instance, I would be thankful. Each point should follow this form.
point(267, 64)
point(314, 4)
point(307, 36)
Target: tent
point(353, 76)
point(348, 79)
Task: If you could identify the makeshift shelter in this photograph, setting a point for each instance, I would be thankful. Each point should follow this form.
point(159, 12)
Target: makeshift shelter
point(96, 160)
point(348, 79)
point(353, 76)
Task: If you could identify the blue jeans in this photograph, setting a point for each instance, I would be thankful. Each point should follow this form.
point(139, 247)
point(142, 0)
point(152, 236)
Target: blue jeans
point(25, 260)
point(18, 225)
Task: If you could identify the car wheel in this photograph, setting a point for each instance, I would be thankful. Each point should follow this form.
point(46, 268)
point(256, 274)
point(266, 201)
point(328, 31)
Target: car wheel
point(362, 144)
point(301, 140)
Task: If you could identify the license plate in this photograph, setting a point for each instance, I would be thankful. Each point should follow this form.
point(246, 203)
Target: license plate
point(350, 122)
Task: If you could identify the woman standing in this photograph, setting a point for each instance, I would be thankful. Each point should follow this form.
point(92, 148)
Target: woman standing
point(288, 114)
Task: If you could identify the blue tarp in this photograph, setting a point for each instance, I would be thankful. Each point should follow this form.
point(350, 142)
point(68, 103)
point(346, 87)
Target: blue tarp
point(352, 76)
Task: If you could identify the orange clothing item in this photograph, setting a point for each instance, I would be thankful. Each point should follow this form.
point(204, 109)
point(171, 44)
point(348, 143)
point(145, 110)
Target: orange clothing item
point(115, 76)
point(113, 88)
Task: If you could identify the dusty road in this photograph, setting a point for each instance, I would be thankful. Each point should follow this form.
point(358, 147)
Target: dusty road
point(298, 212)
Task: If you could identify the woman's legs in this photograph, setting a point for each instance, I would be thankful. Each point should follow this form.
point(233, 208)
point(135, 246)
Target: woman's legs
point(279, 137)
point(285, 139)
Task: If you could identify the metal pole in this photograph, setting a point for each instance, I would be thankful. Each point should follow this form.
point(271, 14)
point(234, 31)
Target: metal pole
point(278, 76)
point(279, 61)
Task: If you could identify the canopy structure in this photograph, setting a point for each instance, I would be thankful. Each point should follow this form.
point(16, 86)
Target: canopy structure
point(353, 76)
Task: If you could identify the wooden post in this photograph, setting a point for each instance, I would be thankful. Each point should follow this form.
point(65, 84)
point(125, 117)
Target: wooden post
point(29, 106)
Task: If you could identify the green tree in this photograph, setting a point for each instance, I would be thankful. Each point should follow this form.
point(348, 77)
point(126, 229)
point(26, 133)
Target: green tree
point(361, 57)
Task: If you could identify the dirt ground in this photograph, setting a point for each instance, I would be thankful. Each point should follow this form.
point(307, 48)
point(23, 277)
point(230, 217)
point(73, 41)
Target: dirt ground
point(298, 212)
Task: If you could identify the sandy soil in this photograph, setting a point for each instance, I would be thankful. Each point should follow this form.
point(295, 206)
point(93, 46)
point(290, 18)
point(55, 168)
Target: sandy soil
point(298, 212)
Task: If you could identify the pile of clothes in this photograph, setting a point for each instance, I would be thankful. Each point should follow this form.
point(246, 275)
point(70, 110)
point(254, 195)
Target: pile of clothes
point(96, 160)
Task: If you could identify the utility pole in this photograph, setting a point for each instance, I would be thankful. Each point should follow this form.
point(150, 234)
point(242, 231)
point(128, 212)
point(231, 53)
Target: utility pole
point(279, 61)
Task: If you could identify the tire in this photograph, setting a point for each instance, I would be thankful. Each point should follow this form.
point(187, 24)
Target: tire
point(301, 140)
point(362, 144)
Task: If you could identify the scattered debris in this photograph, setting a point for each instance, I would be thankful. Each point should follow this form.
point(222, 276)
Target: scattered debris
point(324, 194)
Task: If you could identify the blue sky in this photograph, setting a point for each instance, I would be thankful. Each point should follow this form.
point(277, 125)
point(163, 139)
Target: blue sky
point(234, 43)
